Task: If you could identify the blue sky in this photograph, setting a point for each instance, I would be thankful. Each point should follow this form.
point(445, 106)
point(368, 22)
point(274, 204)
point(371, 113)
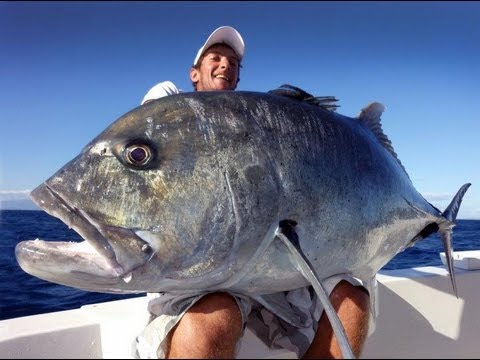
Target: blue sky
point(69, 69)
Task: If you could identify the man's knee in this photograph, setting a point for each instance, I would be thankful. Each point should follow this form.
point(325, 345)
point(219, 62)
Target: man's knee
point(352, 306)
point(216, 302)
point(356, 295)
point(213, 324)
point(217, 312)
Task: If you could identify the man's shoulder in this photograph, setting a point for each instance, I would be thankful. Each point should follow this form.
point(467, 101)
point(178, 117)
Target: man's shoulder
point(161, 89)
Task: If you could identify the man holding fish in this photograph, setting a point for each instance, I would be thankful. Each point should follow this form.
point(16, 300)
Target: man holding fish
point(210, 325)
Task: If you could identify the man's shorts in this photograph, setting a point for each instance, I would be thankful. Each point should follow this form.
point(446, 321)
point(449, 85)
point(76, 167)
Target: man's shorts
point(286, 320)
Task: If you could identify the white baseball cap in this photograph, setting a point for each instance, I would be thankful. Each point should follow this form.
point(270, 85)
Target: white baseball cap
point(226, 35)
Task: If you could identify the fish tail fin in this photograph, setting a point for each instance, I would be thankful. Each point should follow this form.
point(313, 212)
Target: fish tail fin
point(451, 211)
point(445, 229)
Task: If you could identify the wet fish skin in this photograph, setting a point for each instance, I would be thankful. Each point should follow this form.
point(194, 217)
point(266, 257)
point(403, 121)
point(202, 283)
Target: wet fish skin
point(187, 192)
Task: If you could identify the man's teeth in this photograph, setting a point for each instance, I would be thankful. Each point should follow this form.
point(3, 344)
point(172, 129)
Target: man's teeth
point(222, 77)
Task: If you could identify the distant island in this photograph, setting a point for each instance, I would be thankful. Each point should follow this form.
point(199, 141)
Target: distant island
point(16, 200)
point(18, 205)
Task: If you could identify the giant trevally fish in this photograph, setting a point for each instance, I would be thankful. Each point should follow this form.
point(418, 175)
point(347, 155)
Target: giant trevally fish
point(253, 192)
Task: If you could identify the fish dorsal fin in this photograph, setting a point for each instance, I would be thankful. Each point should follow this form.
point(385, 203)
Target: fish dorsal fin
point(371, 116)
point(293, 92)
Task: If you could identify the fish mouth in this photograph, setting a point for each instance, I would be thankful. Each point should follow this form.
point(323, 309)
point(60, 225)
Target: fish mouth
point(100, 255)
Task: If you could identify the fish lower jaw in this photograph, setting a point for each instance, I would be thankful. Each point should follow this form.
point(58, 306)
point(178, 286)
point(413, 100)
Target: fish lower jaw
point(64, 257)
point(85, 250)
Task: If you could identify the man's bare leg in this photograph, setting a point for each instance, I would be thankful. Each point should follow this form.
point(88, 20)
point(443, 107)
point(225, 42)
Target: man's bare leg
point(352, 306)
point(210, 329)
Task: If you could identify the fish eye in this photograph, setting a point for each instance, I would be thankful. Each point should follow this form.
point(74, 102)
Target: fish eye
point(138, 155)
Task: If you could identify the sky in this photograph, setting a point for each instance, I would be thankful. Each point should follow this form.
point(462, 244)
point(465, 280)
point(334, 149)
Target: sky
point(69, 69)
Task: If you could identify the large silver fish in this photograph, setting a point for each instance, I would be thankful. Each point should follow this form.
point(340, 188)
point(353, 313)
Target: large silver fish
point(204, 191)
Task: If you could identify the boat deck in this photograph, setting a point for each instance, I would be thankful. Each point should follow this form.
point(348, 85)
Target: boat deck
point(418, 317)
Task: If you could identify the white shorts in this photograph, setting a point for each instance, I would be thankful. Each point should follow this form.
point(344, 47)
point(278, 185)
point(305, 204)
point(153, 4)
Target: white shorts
point(286, 320)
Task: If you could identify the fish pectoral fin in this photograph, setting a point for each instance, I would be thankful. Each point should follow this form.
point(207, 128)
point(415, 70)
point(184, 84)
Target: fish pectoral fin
point(446, 236)
point(287, 227)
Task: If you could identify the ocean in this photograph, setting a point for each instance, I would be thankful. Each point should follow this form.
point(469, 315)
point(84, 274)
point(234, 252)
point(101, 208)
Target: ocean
point(23, 294)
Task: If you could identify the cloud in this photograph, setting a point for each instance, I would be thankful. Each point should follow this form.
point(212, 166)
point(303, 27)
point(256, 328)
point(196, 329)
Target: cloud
point(14, 194)
point(16, 200)
point(469, 213)
point(442, 200)
point(438, 196)
point(14, 191)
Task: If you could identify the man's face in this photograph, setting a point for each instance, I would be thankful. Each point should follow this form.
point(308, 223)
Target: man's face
point(219, 69)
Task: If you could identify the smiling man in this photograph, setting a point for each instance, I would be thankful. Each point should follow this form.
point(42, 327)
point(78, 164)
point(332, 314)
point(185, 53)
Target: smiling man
point(216, 66)
point(217, 69)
